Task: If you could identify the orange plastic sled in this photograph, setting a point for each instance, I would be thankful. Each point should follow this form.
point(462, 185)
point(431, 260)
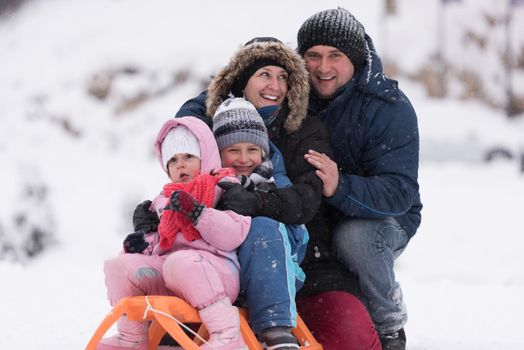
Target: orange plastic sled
point(162, 312)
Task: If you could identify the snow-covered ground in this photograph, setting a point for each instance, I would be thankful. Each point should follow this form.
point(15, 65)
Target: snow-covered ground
point(462, 275)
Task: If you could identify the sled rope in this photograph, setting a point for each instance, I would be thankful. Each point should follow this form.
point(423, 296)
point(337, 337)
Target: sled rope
point(152, 309)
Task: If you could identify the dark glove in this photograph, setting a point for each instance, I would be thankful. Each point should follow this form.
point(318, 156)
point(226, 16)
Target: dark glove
point(239, 199)
point(183, 202)
point(135, 242)
point(144, 219)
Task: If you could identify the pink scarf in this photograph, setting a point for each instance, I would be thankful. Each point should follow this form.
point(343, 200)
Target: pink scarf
point(202, 188)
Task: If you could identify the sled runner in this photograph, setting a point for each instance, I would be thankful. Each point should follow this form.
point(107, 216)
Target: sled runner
point(170, 314)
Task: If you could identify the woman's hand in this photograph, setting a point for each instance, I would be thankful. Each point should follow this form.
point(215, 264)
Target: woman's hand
point(327, 171)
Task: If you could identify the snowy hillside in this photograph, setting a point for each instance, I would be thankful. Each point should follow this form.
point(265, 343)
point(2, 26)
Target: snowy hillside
point(85, 86)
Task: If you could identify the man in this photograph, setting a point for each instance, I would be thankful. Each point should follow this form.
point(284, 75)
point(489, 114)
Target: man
point(372, 179)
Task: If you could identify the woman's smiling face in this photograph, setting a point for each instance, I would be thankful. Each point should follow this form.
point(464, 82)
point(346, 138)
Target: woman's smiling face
point(267, 86)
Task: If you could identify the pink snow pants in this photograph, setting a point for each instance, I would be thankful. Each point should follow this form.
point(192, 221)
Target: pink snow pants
point(198, 277)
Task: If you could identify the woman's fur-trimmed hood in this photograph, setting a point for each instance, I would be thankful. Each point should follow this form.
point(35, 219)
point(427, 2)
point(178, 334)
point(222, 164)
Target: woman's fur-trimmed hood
point(298, 82)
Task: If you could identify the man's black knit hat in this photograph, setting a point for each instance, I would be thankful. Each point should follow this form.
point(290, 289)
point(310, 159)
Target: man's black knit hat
point(337, 28)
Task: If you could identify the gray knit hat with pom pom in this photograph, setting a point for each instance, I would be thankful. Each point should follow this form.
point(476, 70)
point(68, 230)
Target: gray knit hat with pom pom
point(337, 28)
point(236, 121)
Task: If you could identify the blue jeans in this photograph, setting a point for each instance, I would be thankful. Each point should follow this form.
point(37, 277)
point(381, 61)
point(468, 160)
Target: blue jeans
point(270, 274)
point(368, 248)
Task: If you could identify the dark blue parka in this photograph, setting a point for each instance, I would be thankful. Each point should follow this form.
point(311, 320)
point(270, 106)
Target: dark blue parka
point(374, 137)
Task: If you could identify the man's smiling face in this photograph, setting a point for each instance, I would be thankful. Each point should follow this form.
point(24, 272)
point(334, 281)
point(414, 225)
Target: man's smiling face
point(329, 69)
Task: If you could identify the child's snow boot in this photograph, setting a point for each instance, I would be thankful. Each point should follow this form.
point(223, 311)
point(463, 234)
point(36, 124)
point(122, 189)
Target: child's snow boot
point(222, 321)
point(279, 338)
point(132, 335)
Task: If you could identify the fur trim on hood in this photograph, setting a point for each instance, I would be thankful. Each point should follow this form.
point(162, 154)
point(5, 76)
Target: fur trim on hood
point(298, 82)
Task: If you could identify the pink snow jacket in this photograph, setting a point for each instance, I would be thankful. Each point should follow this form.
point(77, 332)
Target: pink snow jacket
point(221, 231)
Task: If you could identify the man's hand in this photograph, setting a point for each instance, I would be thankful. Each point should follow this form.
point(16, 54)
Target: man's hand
point(144, 219)
point(183, 202)
point(135, 242)
point(327, 171)
point(239, 199)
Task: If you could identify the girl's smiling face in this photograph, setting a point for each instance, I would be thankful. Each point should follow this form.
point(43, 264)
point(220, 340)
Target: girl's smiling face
point(242, 157)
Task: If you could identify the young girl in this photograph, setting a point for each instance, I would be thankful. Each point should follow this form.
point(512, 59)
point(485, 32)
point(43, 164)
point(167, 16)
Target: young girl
point(192, 255)
point(242, 139)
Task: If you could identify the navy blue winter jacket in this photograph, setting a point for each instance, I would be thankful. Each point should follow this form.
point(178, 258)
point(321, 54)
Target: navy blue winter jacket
point(374, 136)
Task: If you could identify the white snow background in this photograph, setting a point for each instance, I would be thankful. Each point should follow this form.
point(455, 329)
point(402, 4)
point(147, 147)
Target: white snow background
point(462, 274)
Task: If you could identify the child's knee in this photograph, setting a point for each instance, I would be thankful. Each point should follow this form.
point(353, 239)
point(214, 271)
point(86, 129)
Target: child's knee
point(178, 265)
point(120, 266)
point(187, 265)
point(262, 230)
point(192, 276)
point(129, 268)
